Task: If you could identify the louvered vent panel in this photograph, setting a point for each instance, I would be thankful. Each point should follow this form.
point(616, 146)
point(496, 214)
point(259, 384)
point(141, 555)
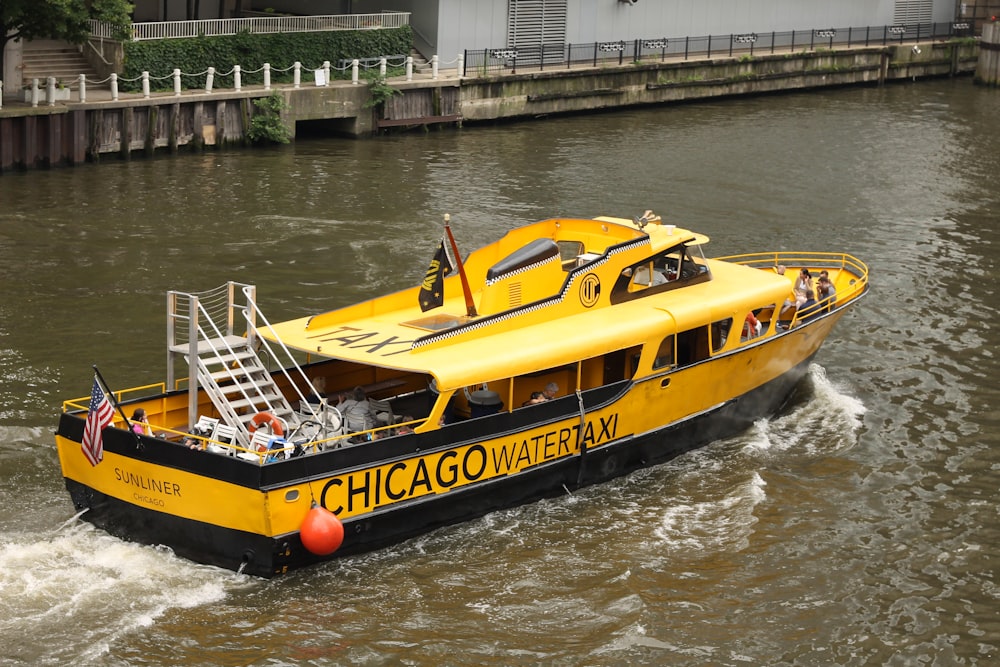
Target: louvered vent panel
point(912, 12)
point(514, 294)
point(534, 26)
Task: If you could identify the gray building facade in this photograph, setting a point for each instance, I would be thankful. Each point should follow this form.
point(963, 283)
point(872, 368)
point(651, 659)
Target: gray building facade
point(448, 27)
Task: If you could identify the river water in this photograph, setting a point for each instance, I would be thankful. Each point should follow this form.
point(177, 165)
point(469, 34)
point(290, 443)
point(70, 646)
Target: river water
point(859, 527)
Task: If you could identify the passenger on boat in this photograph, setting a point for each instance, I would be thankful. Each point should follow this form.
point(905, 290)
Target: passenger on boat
point(826, 293)
point(357, 411)
point(803, 284)
point(809, 308)
point(751, 326)
point(550, 391)
point(319, 384)
point(139, 423)
point(536, 397)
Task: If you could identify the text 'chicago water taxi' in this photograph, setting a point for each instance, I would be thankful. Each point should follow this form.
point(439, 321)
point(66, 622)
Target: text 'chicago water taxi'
point(566, 353)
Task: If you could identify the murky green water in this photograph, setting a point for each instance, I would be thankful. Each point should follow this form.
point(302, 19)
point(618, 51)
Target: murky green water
point(860, 527)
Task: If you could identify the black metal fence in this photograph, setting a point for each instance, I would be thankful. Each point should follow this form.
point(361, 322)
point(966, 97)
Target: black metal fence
point(563, 56)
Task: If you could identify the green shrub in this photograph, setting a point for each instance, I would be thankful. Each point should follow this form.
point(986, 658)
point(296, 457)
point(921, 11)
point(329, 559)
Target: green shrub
point(380, 91)
point(266, 125)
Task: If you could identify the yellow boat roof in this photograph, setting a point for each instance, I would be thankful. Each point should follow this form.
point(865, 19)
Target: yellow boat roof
point(532, 315)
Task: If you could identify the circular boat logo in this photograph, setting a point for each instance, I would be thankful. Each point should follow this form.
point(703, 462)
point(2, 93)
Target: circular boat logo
point(590, 290)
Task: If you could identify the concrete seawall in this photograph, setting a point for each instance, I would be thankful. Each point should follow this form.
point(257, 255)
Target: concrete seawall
point(73, 133)
point(988, 69)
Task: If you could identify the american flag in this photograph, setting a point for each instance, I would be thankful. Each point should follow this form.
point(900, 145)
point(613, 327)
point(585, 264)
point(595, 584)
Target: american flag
point(100, 415)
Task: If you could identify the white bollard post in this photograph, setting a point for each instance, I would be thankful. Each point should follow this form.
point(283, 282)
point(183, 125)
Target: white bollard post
point(297, 75)
point(145, 85)
point(461, 66)
point(267, 76)
point(34, 92)
point(50, 91)
point(326, 73)
point(409, 68)
point(83, 87)
point(114, 86)
point(210, 79)
point(177, 82)
point(237, 78)
point(434, 67)
point(354, 71)
point(381, 68)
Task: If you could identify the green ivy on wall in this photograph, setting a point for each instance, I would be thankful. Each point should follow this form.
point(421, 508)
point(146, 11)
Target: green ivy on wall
point(193, 56)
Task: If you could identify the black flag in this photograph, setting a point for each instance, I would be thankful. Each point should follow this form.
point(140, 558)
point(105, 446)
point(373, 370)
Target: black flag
point(432, 290)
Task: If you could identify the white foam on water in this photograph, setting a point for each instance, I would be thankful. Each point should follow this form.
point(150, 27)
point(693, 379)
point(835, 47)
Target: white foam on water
point(81, 581)
point(829, 421)
point(724, 523)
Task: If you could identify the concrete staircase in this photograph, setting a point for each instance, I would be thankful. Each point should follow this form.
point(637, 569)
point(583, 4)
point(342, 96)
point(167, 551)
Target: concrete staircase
point(45, 58)
point(420, 64)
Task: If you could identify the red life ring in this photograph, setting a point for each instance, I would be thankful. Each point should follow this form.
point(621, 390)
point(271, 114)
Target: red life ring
point(262, 418)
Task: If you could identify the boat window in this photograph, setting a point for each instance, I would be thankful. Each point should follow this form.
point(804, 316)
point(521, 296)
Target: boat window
point(569, 250)
point(675, 267)
point(692, 346)
point(665, 354)
point(644, 275)
point(720, 333)
point(756, 322)
point(694, 264)
point(620, 364)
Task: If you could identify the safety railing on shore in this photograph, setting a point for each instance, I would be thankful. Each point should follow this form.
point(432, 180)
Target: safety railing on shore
point(51, 90)
point(564, 56)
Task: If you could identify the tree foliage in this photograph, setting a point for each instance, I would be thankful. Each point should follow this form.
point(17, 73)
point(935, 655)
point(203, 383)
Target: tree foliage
point(58, 19)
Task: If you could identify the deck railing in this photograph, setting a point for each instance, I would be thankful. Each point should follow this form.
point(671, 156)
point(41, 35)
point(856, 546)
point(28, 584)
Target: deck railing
point(259, 25)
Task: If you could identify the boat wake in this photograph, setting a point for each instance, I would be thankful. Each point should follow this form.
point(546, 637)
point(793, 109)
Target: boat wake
point(723, 523)
point(81, 581)
point(824, 419)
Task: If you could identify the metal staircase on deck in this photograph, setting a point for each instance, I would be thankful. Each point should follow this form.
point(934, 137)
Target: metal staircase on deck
point(202, 330)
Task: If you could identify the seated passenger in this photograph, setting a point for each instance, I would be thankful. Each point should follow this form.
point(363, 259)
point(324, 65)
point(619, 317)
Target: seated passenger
point(809, 308)
point(751, 326)
point(319, 384)
point(550, 391)
point(139, 424)
point(826, 293)
point(357, 411)
point(803, 284)
point(536, 397)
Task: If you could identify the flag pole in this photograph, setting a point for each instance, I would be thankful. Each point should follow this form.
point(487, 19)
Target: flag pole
point(111, 397)
point(469, 305)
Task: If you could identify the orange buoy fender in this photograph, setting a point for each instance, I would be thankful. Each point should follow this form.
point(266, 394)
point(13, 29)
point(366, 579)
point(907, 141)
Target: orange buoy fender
point(321, 531)
point(262, 418)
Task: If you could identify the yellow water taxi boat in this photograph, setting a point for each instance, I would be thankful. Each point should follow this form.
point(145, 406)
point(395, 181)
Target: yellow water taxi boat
point(568, 352)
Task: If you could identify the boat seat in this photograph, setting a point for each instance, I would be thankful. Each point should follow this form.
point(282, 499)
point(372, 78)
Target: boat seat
point(786, 316)
point(329, 416)
point(383, 411)
point(260, 441)
point(226, 434)
point(356, 424)
point(205, 426)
